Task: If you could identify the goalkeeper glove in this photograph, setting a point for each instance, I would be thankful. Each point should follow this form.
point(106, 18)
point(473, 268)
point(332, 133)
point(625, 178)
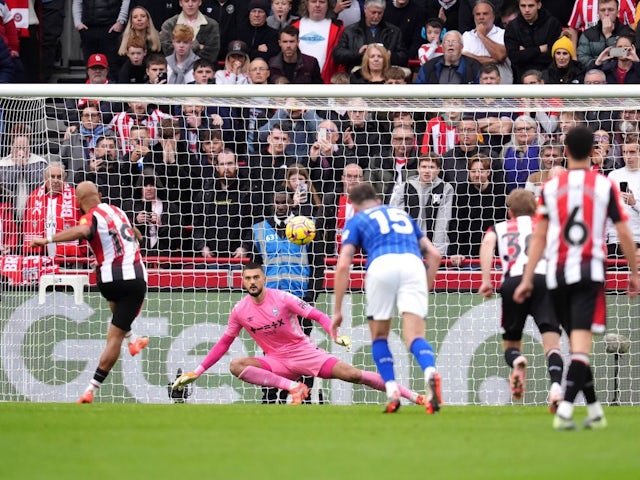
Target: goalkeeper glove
point(184, 380)
point(344, 341)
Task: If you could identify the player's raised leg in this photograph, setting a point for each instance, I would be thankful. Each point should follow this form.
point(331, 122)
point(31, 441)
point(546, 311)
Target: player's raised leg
point(251, 370)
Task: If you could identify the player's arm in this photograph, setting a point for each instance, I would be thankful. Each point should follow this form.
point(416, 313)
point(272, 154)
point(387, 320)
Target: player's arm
point(68, 235)
point(325, 322)
point(432, 255)
point(341, 283)
point(137, 233)
point(536, 250)
point(487, 248)
point(215, 354)
point(628, 247)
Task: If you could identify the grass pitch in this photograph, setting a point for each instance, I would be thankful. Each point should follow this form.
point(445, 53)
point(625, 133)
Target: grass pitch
point(136, 441)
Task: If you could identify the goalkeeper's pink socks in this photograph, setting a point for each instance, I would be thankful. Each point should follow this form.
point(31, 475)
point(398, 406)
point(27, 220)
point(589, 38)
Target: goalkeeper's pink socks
point(265, 378)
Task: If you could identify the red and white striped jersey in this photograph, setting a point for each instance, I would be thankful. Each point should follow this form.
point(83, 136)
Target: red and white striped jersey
point(585, 14)
point(114, 244)
point(122, 122)
point(513, 237)
point(577, 204)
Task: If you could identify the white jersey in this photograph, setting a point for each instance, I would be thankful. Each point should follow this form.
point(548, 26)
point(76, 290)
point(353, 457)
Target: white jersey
point(513, 246)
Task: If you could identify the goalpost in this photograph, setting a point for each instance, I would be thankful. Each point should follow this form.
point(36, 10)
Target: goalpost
point(49, 350)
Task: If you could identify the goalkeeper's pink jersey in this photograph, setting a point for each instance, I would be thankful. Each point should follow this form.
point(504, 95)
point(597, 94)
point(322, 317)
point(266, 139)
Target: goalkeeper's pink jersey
point(273, 323)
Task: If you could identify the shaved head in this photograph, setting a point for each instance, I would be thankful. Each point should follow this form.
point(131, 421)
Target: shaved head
point(87, 196)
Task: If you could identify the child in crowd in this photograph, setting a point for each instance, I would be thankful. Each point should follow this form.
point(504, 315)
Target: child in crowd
point(180, 62)
point(133, 70)
point(203, 71)
point(236, 65)
point(281, 16)
point(395, 75)
point(433, 48)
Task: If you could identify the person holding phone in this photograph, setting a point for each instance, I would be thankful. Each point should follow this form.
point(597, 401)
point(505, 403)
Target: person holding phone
point(628, 180)
point(327, 157)
point(620, 64)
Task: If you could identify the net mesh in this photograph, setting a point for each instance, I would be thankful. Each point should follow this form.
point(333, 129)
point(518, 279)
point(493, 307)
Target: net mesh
point(50, 342)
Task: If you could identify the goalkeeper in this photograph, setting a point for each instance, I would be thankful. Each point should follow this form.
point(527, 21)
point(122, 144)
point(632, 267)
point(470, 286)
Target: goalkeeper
point(271, 318)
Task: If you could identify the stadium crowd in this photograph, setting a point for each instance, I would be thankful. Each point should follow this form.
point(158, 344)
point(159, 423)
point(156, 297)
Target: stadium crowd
point(196, 179)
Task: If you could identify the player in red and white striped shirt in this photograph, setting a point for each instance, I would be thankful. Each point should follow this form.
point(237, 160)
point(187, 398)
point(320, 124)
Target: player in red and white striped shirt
point(573, 212)
point(512, 240)
point(122, 277)
point(585, 13)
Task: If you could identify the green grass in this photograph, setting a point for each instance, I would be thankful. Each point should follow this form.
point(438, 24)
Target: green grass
point(135, 441)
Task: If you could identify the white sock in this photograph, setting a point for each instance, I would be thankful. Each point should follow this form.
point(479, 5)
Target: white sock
point(130, 337)
point(565, 409)
point(428, 372)
point(594, 410)
point(392, 389)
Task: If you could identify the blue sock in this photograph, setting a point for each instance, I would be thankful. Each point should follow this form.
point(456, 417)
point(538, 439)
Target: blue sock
point(383, 358)
point(423, 352)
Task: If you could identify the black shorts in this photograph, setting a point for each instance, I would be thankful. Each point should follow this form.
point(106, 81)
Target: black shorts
point(539, 306)
point(127, 297)
point(581, 306)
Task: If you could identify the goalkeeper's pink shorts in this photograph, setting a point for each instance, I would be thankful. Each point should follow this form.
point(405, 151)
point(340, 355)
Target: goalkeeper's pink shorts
point(310, 361)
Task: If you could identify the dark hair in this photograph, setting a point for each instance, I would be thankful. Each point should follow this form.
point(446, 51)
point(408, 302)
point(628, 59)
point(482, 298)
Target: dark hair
point(252, 266)
point(579, 142)
point(290, 30)
point(434, 23)
point(362, 192)
point(489, 68)
point(155, 59)
point(201, 62)
point(431, 157)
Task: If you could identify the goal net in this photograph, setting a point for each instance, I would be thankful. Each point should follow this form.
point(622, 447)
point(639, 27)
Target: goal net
point(197, 167)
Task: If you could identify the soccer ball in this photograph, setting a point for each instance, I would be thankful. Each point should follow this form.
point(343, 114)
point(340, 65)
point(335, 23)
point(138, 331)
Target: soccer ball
point(300, 230)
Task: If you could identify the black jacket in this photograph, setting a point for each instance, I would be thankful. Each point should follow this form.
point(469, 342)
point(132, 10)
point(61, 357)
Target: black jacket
point(306, 69)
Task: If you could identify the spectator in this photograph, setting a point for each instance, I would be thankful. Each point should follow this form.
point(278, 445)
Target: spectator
point(564, 67)
point(304, 196)
point(206, 31)
point(479, 203)
point(359, 132)
point(9, 64)
point(529, 38)
point(628, 180)
point(51, 208)
point(327, 157)
point(100, 23)
point(229, 14)
point(623, 69)
point(103, 169)
point(51, 16)
point(521, 156)
point(395, 75)
point(551, 156)
point(372, 29)
point(455, 161)
point(337, 209)
point(291, 62)
point(135, 161)
point(223, 210)
point(597, 118)
point(211, 145)
point(140, 26)
point(319, 35)
point(203, 72)
point(261, 39)
point(605, 157)
point(452, 67)
point(193, 121)
point(281, 15)
point(159, 12)
point(602, 34)
point(428, 199)
point(391, 169)
point(485, 43)
point(22, 170)
point(304, 125)
point(180, 62)
point(587, 13)
point(441, 132)
point(133, 69)
point(156, 69)
point(137, 114)
point(569, 120)
point(409, 16)
point(431, 33)
point(157, 219)
point(236, 65)
point(446, 11)
point(375, 63)
point(268, 167)
point(543, 110)
point(80, 140)
point(8, 227)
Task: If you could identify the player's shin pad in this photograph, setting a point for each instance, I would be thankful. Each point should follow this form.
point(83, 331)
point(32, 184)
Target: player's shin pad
point(183, 380)
point(344, 341)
